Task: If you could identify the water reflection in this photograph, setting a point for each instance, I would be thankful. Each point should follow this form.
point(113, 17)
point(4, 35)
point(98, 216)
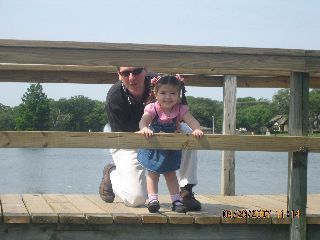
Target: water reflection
point(27, 170)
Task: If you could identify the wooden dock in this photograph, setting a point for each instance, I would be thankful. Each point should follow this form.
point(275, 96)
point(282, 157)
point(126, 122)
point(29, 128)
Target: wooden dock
point(59, 216)
point(86, 217)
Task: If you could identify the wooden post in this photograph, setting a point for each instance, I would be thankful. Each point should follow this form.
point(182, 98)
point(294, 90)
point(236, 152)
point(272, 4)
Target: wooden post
point(297, 161)
point(229, 128)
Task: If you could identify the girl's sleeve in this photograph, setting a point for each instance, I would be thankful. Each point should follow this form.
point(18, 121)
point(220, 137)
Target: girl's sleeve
point(150, 109)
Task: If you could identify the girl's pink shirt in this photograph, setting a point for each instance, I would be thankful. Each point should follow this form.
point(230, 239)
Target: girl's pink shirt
point(179, 110)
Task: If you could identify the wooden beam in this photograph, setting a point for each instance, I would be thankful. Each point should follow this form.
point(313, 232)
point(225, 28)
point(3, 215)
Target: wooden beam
point(44, 139)
point(298, 161)
point(229, 128)
point(57, 77)
point(181, 59)
point(45, 73)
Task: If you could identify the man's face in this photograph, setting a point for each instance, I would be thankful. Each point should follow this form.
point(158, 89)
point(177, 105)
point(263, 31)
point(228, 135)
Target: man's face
point(133, 80)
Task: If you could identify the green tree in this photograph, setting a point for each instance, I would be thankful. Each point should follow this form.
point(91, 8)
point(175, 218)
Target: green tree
point(97, 117)
point(7, 118)
point(280, 102)
point(314, 101)
point(314, 108)
point(59, 119)
point(253, 114)
point(78, 113)
point(34, 111)
point(204, 108)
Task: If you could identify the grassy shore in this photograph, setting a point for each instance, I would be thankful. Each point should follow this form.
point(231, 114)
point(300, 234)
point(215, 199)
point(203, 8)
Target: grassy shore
point(286, 134)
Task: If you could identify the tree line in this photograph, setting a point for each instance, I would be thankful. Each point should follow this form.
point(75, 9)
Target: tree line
point(79, 113)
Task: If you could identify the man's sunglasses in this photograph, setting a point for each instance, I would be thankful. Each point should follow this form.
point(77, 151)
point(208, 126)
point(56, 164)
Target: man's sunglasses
point(135, 72)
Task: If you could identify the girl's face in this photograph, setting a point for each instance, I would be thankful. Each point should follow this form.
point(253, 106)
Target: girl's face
point(167, 95)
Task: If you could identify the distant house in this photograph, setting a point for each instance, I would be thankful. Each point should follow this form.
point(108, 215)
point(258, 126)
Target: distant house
point(279, 123)
point(315, 123)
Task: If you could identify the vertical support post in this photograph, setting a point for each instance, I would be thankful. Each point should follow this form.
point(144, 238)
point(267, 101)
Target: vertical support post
point(297, 161)
point(229, 128)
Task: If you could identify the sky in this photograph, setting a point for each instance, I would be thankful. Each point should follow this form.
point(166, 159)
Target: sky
point(290, 24)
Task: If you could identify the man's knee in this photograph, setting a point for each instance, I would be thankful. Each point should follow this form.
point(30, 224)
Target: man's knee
point(135, 200)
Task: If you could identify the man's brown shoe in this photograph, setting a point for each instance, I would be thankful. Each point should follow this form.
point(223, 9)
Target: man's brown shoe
point(189, 200)
point(105, 188)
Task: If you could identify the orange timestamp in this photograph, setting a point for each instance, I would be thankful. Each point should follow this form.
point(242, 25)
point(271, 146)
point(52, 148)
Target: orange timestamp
point(260, 213)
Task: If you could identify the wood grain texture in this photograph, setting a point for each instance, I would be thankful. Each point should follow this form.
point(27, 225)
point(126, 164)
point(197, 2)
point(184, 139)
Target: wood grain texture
point(298, 161)
point(53, 139)
point(93, 213)
point(229, 128)
point(168, 58)
point(90, 209)
point(39, 210)
point(67, 212)
point(120, 213)
point(13, 209)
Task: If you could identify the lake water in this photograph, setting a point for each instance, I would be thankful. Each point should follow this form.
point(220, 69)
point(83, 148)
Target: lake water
point(50, 170)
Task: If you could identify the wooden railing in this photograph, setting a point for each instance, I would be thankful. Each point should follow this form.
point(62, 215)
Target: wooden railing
point(75, 62)
point(49, 139)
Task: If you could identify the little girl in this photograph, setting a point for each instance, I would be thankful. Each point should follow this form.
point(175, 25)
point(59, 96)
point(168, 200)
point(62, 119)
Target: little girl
point(163, 114)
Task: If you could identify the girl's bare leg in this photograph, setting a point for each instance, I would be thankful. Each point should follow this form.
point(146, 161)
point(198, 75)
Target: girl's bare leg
point(152, 187)
point(172, 182)
point(173, 186)
point(152, 183)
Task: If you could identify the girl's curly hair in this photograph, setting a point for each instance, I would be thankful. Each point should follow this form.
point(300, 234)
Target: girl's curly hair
point(171, 80)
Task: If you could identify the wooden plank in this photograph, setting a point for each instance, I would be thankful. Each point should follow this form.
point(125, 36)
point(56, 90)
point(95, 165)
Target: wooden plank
point(45, 73)
point(229, 128)
point(121, 214)
point(39, 209)
point(182, 58)
point(67, 212)
point(313, 209)
point(57, 77)
point(154, 47)
point(150, 218)
point(313, 201)
point(173, 217)
point(313, 218)
point(242, 208)
point(297, 161)
point(12, 139)
point(222, 207)
point(313, 215)
point(0, 210)
point(254, 213)
point(94, 214)
point(276, 208)
point(209, 214)
point(13, 209)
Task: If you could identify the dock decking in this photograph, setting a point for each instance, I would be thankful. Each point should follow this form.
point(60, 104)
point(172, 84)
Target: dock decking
point(55, 216)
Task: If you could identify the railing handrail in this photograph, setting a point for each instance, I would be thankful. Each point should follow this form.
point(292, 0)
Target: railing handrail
point(62, 139)
point(208, 60)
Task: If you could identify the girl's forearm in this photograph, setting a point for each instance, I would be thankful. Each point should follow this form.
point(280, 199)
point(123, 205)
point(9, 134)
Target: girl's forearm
point(194, 124)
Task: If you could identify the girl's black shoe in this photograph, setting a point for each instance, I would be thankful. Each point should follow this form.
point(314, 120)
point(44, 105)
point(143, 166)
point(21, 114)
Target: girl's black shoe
point(177, 206)
point(153, 206)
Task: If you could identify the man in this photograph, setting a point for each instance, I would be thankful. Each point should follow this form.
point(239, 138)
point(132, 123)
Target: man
point(126, 178)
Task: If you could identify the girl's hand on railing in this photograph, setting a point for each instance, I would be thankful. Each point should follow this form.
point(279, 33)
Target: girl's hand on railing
point(146, 132)
point(197, 133)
